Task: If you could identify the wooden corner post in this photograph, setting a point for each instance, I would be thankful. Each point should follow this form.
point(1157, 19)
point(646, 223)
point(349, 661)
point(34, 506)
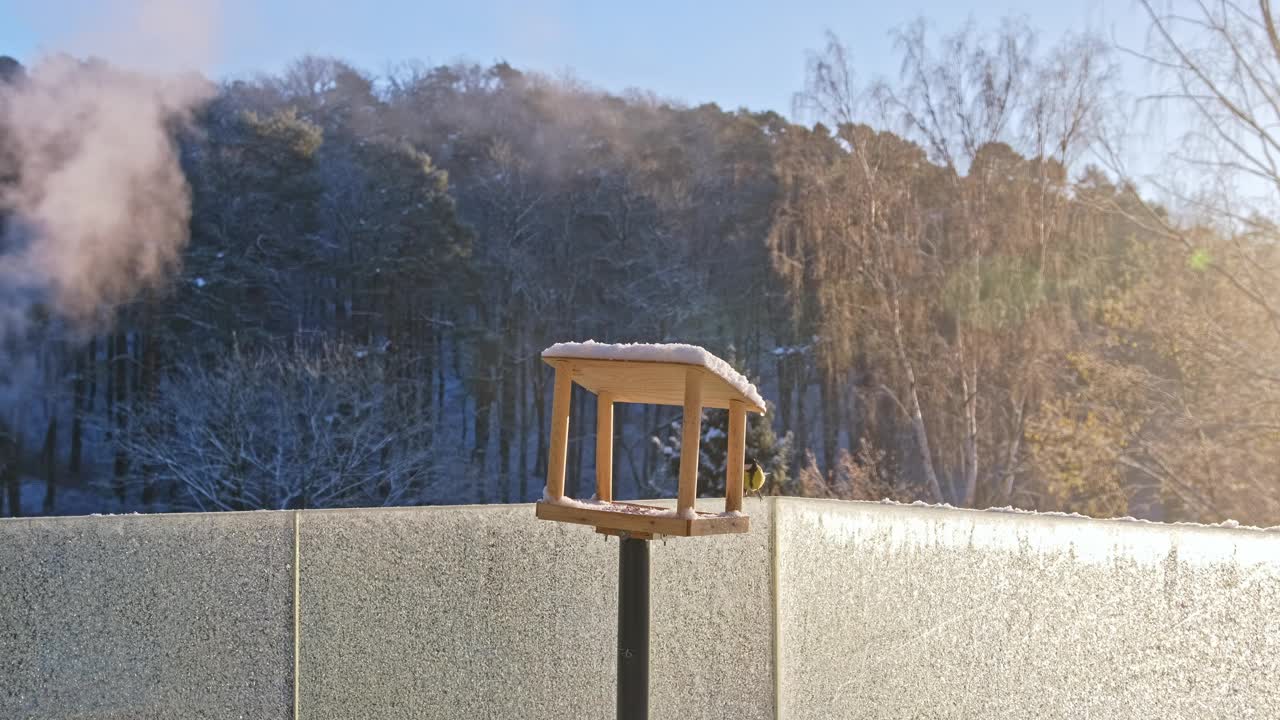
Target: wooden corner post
point(690, 440)
point(735, 462)
point(604, 447)
point(559, 430)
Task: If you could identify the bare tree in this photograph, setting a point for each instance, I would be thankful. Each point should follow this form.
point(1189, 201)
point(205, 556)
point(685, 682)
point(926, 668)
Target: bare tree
point(278, 430)
point(937, 251)
point(1222, 63)
point(1216, 304)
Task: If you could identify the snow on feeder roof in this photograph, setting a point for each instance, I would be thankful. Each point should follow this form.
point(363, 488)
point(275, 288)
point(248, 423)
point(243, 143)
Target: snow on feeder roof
point(666, 374)
point(661, 384)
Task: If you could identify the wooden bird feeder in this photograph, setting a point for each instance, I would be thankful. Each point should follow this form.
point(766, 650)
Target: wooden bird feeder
point(681, 375)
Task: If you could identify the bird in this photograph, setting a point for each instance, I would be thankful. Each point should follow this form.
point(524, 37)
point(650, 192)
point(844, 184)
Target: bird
point(754, 476)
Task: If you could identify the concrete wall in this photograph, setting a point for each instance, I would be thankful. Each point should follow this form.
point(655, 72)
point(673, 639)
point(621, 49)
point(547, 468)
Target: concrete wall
point(141, 617)
point(895, 612)
point(874, 611)
point(487, 612)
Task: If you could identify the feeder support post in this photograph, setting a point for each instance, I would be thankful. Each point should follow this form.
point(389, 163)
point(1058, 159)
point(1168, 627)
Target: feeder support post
point(604, 447)
point(690, 440)
point(735, 463)
point(633, 630)
point(559, 430)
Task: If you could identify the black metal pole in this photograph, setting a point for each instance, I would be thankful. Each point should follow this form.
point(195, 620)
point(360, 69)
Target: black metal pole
point(633, 629)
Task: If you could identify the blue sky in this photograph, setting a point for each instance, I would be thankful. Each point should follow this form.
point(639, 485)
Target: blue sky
point(744, 53)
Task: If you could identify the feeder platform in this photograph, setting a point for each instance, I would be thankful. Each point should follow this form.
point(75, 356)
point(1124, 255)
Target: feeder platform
point(643, 521)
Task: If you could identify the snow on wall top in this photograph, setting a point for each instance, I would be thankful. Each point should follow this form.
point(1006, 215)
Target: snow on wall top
point(658, 352)
point(1009, 509)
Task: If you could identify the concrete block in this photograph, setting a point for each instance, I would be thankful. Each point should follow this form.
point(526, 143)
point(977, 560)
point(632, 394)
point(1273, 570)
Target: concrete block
point(892, 612)
point(487, 612)
point(712, 623)
point(140, 617)
point(478, 612)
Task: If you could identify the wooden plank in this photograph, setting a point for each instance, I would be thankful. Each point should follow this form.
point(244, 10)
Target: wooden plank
point(735, 461)
point(604, 446)
point(614, 520)
point(655, 383)
point(559, 430)
point(624, 533)
point(621, 521)
point(720, 526)
point(690, 439)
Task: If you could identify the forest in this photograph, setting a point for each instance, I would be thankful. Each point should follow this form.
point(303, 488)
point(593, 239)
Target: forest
point(948, 284)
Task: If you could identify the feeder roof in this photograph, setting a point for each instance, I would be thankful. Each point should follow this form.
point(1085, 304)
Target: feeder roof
point(653, 373)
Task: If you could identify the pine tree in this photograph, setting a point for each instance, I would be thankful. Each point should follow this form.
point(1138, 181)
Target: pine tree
point(763, 444)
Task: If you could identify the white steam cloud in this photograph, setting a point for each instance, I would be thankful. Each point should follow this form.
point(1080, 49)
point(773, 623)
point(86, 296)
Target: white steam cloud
point(98, 205)
point(94, 207)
